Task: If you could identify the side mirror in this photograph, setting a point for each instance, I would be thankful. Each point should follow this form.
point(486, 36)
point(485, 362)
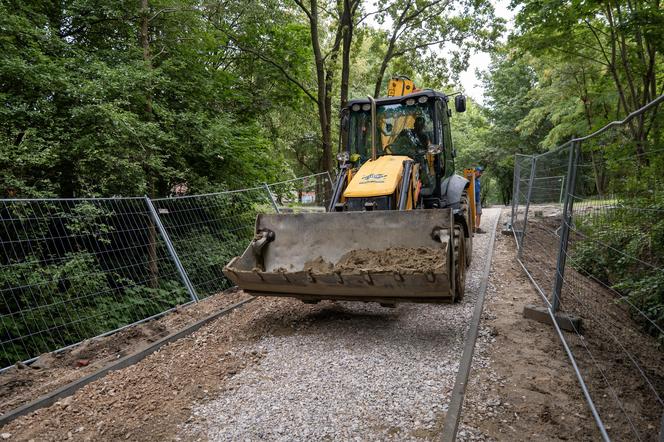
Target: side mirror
point(460, 103)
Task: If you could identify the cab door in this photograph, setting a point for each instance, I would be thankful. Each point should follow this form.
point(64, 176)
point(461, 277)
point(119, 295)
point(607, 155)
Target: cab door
point(445, 138)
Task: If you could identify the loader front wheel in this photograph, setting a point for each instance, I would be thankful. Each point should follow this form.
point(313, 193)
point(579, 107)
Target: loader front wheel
point(459, 263)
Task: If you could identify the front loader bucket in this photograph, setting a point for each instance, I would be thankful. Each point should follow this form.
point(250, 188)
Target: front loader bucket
point(381, 256)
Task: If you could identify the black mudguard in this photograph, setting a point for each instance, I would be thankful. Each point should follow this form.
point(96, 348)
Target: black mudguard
point(451, 190)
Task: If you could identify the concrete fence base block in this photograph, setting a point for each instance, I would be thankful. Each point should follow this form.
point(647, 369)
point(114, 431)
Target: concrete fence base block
point(541, 314)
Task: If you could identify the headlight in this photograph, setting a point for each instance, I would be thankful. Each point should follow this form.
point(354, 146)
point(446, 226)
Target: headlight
point(435, 149)
point(342, 157)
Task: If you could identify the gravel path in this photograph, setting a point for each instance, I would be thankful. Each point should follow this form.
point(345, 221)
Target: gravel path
point(351, 371)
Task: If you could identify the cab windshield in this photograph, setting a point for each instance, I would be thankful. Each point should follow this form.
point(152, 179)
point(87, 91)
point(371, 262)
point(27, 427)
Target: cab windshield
point(400, 130)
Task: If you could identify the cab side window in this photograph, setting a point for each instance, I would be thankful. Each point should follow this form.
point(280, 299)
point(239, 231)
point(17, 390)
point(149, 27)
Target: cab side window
point(439, 126)
point(445, 137)
point(445, 126)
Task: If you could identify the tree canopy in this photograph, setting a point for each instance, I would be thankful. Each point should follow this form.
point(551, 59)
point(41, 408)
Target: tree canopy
point(137, 97)
point(219, 94)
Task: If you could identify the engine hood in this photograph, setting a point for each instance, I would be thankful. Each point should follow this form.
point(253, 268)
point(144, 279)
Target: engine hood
point(376, 178)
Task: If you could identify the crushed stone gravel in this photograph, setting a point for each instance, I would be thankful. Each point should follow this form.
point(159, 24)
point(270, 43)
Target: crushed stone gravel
point(350, 371)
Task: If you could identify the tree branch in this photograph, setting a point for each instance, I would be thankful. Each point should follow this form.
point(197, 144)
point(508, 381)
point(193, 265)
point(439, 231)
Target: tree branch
point(279, 67)
point(376, 12)
point(420, 46)
point(304, 8)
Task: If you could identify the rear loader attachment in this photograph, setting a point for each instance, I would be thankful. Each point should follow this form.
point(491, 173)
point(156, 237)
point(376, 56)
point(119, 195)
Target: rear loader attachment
point(380, 256)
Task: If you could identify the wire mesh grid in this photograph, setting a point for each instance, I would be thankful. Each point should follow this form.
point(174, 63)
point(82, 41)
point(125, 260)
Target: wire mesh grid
point(207, 231)
point(522, 172)
point(307, 194)
point(602, 243)
point(75, 269)
point(543, 190)
point(614, 279)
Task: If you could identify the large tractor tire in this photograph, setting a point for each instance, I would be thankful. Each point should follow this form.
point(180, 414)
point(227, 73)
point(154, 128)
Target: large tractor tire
point(459, 263)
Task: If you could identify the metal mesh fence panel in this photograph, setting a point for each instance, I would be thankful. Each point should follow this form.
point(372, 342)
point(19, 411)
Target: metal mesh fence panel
point(613, 277)
point(522, 173)
point(542, 214)
point(599, 252)
point(209, 230)
point(307, 194)
point(74, 269)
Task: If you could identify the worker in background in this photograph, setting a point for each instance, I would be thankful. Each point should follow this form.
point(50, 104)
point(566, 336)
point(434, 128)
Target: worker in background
point(478, 199)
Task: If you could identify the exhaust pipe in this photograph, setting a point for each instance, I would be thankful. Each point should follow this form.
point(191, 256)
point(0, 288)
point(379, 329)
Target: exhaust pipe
point(373, 127)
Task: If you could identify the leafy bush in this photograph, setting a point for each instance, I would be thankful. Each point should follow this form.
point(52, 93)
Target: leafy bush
point(73, 270)
point(624, 248)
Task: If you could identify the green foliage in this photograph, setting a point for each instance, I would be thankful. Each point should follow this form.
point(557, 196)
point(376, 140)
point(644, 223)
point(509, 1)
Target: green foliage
point(94, 97)
point(624, 248)
point(76, 299)
point(73, 270)
point(491, 135)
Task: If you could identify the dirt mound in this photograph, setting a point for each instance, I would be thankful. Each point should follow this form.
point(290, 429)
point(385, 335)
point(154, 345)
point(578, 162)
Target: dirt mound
point(395, 259)
point(401, 259)
point(319, 266)
point(23, 383)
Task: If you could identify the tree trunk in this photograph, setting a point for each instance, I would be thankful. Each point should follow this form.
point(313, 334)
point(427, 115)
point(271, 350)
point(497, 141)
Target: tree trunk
point(145, 44)
point(597, 172)
point(323, 117)
point(381, 74)
point(153, 268)
point(347, 24)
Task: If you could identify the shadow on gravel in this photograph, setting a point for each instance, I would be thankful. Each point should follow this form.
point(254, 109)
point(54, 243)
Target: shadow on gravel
point(381, 323)
point(336, 313)
point(295, 317)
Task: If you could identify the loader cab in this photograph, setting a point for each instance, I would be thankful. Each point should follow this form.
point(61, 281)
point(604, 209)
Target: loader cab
point(416, 125)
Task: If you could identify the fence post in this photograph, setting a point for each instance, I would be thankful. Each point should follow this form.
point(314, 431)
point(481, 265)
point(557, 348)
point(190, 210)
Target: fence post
point(272, 200)
point(171, 250)
point(566, 221)
point(515, 190)
point(533, 162)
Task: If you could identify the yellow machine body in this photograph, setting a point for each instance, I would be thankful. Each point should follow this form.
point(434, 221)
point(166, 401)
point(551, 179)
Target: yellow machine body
point(400, 86)
point(376, 178)
point(375, 208)
point(469, 174)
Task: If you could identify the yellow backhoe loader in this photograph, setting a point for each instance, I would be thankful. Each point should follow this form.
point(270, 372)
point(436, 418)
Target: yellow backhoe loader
point(398, 227)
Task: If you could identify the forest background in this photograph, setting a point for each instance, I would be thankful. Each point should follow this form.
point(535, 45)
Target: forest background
point(224, 94)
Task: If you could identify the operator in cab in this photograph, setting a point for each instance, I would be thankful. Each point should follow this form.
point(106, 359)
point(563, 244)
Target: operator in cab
point(420, 135)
